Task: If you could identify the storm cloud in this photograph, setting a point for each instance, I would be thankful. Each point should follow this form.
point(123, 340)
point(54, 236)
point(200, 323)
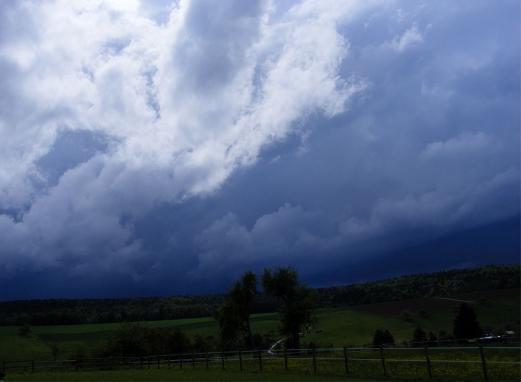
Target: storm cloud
point(164, 147)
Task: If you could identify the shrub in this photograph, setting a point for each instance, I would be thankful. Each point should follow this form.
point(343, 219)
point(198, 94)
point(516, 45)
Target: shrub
point(382, 337)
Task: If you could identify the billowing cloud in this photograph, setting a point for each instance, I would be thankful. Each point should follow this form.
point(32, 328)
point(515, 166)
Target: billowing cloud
point(140, 138)
point(408, 39)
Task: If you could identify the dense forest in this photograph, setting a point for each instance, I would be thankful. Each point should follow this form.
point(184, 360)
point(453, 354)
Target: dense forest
point(439, 284)
point(76, 311)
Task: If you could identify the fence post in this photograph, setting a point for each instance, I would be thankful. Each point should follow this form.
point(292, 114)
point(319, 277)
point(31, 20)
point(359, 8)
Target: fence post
point(32, 366)
point(428, 360)
point(260, 360)
point(207, 361)
point(240, 360)
point(483, 362)
point(345, 360)
point(222, 359)
point(193, 360)
point(383, 360)
point(159, 362)
point(314, 357)
point(285, 359)
point(181, 362)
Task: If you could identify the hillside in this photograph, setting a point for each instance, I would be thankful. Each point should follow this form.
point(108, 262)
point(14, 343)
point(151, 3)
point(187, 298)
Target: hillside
point(437, 284)
point(87, 311)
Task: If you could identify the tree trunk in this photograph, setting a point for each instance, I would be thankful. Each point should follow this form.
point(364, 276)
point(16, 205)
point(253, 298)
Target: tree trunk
point(295, 338)
point(249, 334)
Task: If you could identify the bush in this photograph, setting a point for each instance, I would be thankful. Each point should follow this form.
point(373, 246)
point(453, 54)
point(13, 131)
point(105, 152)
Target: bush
point(135, 340)
point(423, 314)
point(406, 315)
point(25, 330)
point(466, 325)
point(382, 337)
point(419, 335)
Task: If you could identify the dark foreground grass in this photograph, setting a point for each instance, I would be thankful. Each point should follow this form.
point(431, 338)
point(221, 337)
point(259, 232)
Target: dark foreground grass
point(459, 364)
point(170, 375)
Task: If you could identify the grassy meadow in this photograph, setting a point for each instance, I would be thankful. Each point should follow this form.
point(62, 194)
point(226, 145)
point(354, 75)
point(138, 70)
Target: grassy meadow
point(401, 364)
point(351, 326)
point(171, 375)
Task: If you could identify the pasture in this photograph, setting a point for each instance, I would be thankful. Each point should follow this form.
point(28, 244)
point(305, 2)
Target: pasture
point(344, 326)
point(438, 363)
point(170, 375)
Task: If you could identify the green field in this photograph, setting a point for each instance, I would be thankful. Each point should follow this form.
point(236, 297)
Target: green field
point(170, 375)
point(322, 365)
point(351, 326)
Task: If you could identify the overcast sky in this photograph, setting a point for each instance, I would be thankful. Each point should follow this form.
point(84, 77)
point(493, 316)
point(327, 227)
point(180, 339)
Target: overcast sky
point(162, 147)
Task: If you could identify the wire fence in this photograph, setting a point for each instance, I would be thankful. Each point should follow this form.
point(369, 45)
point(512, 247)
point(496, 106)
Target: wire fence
point(445, 363)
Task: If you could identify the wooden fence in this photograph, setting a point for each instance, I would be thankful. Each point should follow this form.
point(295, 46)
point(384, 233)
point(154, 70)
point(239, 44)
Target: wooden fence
point(454, 363)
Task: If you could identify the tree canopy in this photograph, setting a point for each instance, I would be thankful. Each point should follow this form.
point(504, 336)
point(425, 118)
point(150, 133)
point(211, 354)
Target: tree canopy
point(233, 316)
point(295, 302)
point(466, 324)
point(383, 337)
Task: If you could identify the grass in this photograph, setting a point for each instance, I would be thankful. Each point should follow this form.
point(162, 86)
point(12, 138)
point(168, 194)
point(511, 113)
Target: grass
point(169, 375)
point(401, 364)
point(13, 346)
point(351, 326)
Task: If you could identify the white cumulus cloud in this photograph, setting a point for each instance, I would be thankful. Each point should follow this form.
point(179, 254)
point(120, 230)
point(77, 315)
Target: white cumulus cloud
point(185, 103)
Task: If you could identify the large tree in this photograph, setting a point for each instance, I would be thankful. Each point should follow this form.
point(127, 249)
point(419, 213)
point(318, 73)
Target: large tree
point(466, 324)
point(383, 337)
point(234, 315)
point(295, 302)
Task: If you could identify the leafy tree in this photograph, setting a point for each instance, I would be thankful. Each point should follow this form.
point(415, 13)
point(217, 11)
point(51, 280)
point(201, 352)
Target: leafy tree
point(234, 315)
point(179, 342)
point(388, 337)
point(378, 337)
point(228, 321)
point(201, 344)
point(419, 335)
point(128, 340)
point(295, 302)
point(136, 340)
point(24, 330)
point(406, 315)
point(55, 350)
point(81, 354)
point(443, 336)
point(423, 314)
point(383, 337)
point(466, 324)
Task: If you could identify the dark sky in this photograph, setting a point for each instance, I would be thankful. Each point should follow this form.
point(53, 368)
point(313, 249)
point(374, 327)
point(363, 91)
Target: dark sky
point(165, 147)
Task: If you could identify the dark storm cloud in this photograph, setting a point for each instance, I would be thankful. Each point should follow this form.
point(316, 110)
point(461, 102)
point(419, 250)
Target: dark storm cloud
point(256, 136)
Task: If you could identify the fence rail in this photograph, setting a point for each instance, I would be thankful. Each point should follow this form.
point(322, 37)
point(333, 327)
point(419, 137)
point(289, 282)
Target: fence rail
point(456, 363)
